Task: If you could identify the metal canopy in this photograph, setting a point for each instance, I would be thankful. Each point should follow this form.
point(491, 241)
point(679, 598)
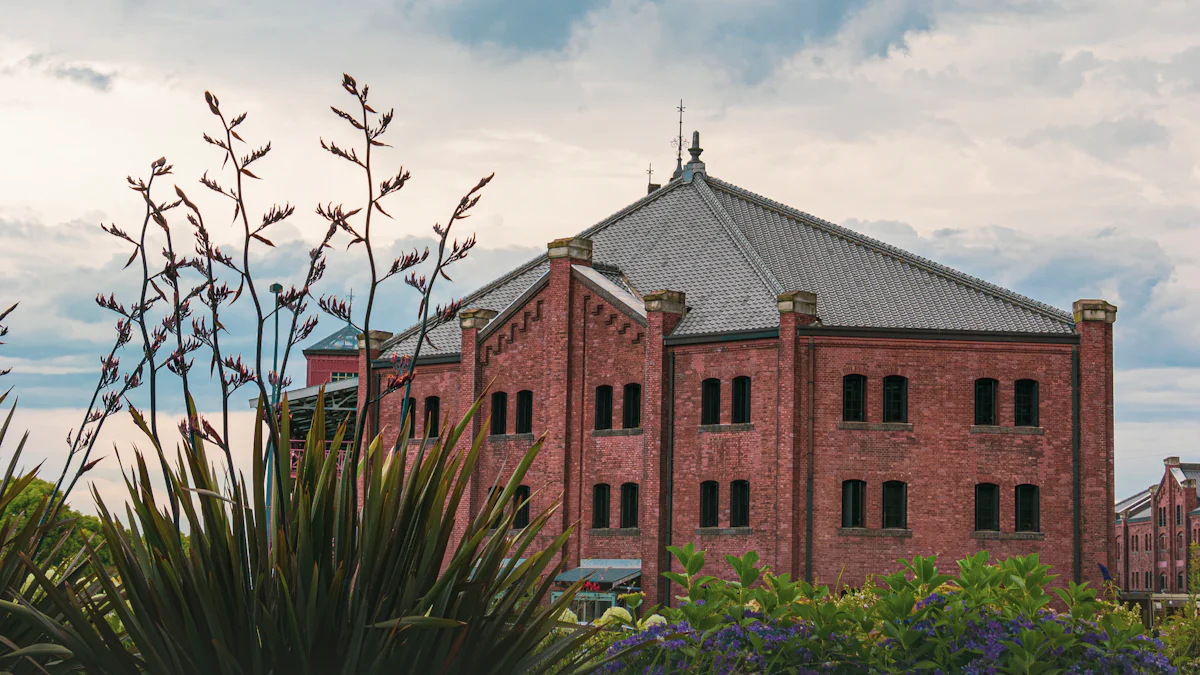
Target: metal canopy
point(341, 401)
point(603, 571)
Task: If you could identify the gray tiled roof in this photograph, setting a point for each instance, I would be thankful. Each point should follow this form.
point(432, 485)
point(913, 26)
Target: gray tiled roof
point(732, 252)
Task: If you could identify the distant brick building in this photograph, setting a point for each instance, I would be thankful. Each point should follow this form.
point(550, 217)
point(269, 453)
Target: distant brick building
point(1155, 529)
point(714, 367)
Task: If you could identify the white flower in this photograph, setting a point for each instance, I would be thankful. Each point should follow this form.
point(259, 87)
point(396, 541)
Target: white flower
point(568, 616)
point(652, 621)
point(614, 614)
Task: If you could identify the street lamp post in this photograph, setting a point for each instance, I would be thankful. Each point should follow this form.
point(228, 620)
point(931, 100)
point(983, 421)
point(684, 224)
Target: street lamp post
point(276, 289)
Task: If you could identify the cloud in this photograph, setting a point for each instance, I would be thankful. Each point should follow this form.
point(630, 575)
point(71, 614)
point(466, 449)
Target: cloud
point(1107, 140)
point(71, 72)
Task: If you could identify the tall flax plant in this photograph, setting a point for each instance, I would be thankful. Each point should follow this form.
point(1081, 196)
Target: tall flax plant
point(308, 575)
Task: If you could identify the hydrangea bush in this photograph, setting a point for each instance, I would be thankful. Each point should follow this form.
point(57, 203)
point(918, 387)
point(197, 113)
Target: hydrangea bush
point(990, 618)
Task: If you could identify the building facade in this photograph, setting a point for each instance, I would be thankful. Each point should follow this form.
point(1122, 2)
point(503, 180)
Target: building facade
point(710, 366)
point(1155, 530)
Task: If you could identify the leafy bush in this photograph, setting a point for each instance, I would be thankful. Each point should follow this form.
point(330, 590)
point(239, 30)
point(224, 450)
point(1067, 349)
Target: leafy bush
point(990, 618)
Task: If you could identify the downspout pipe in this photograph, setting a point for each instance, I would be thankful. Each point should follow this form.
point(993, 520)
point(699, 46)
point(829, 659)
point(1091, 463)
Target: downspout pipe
point(669, 511)
point(1075, 485)
point(808, 494)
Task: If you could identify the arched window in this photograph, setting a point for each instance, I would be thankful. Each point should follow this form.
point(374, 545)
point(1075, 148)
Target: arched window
point(1133, 543)
point(629, 505)
point(521, 519)
point(895, 398)
point(987, 507)
point(1179, 545)
point(1025, 403)
point(1162, 582)
point(433, 415)
point(709, 493)
point(1178, 514)
point(631, 407)
point(985, 401)
point(895, 504)
point(1162, 542)
point(854, 398)
point(739, 503)
point(603, 407)
point(854, 502)
point(524, 412)
point(741, 400)
point(499, 413)
point(600, 497)
point(1147, 540)
point(710, 401)
point(1026, 500)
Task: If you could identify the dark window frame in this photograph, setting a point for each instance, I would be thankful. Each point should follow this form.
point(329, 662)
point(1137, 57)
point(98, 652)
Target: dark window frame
point(1025, 403)
point(710, 501)
point(604, 400)
point(986, 410)
point(433, 415)
point(895, 505)
point(499, 413)
point(895, 399)
point(629, 505)
point(631, 406)
point(854, 398)
point(987, 507)
point(524, 422)
point(521, 502)
point(601, 505)
point(854, 503)
point(739, 503)
point(740, 414)
point(411, 414)
point(1026, 508)
point(710, 401)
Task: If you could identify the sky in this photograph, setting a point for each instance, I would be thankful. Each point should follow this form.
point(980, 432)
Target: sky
point(1049, 146)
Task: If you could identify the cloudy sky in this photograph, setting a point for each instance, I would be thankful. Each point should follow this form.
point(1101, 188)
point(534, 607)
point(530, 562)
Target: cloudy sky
point(1046, 145)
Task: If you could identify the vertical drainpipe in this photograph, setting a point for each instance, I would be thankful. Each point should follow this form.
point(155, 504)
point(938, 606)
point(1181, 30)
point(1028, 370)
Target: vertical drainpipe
point(1075, 487)
point(582, 431)
point(808, 494)
point(669, 511)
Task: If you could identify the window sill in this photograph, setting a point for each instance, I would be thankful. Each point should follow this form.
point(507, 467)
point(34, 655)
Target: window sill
point(867, 532)
point(723, 531)
point(1023, 536)
point(500, 438)
point(417, 441)
point(724, 428)
point(615, 532)
point(600, 433)
point(994, 429)
point(875, 426)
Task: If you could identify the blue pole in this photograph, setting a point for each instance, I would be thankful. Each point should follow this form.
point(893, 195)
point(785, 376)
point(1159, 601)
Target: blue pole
point(275, 288)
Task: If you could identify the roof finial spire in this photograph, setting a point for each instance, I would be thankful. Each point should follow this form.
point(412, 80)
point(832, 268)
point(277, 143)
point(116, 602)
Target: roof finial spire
point(350, 306)
point(695, 150)
point(678, 143)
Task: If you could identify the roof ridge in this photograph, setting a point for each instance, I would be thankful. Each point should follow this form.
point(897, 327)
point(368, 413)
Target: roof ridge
point(739, 238)
point(907, 257)
point(411, 330)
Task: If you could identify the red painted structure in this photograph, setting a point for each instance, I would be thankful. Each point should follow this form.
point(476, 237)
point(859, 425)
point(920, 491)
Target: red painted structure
point(1155, 530)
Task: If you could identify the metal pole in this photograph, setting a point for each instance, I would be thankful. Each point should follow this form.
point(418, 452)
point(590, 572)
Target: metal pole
point(276, 289)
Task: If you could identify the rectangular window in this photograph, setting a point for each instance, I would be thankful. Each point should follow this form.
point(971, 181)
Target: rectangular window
point(739, 503)
point(499, 413)
point(854, 498)
point(1026, 499)
point(854, 404)
point(631, 407)
point(895, 399)
point(338, 377)
point(710, 401)
point(1025, 403)
point(1178, 514)
point(629, 505)
point(600, 496)
point(521, 519)
point(524, 412)
point(985, 402)
point(1146, 580)
point(433, 415)
point(709, 492)
point(741, 400)
point(987, 507)
point(603, 407)
point(895, 504)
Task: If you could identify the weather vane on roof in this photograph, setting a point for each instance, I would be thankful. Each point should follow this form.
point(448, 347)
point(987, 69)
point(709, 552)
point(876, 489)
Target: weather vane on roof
point(678, 144)
point(350, 307)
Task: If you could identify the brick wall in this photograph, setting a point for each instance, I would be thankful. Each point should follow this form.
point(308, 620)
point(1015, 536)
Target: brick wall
point(321, 367)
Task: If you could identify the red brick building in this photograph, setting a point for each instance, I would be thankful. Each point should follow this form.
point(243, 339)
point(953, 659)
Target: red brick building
point(1155, 529)
point(711, 366)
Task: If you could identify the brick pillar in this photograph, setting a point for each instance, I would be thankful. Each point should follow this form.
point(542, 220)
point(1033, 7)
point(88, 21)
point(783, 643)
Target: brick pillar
point(796, 308)
point(564, 378)
point(1094, 323)
point(471, 321)
point(664, 311)
point(368, 388)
